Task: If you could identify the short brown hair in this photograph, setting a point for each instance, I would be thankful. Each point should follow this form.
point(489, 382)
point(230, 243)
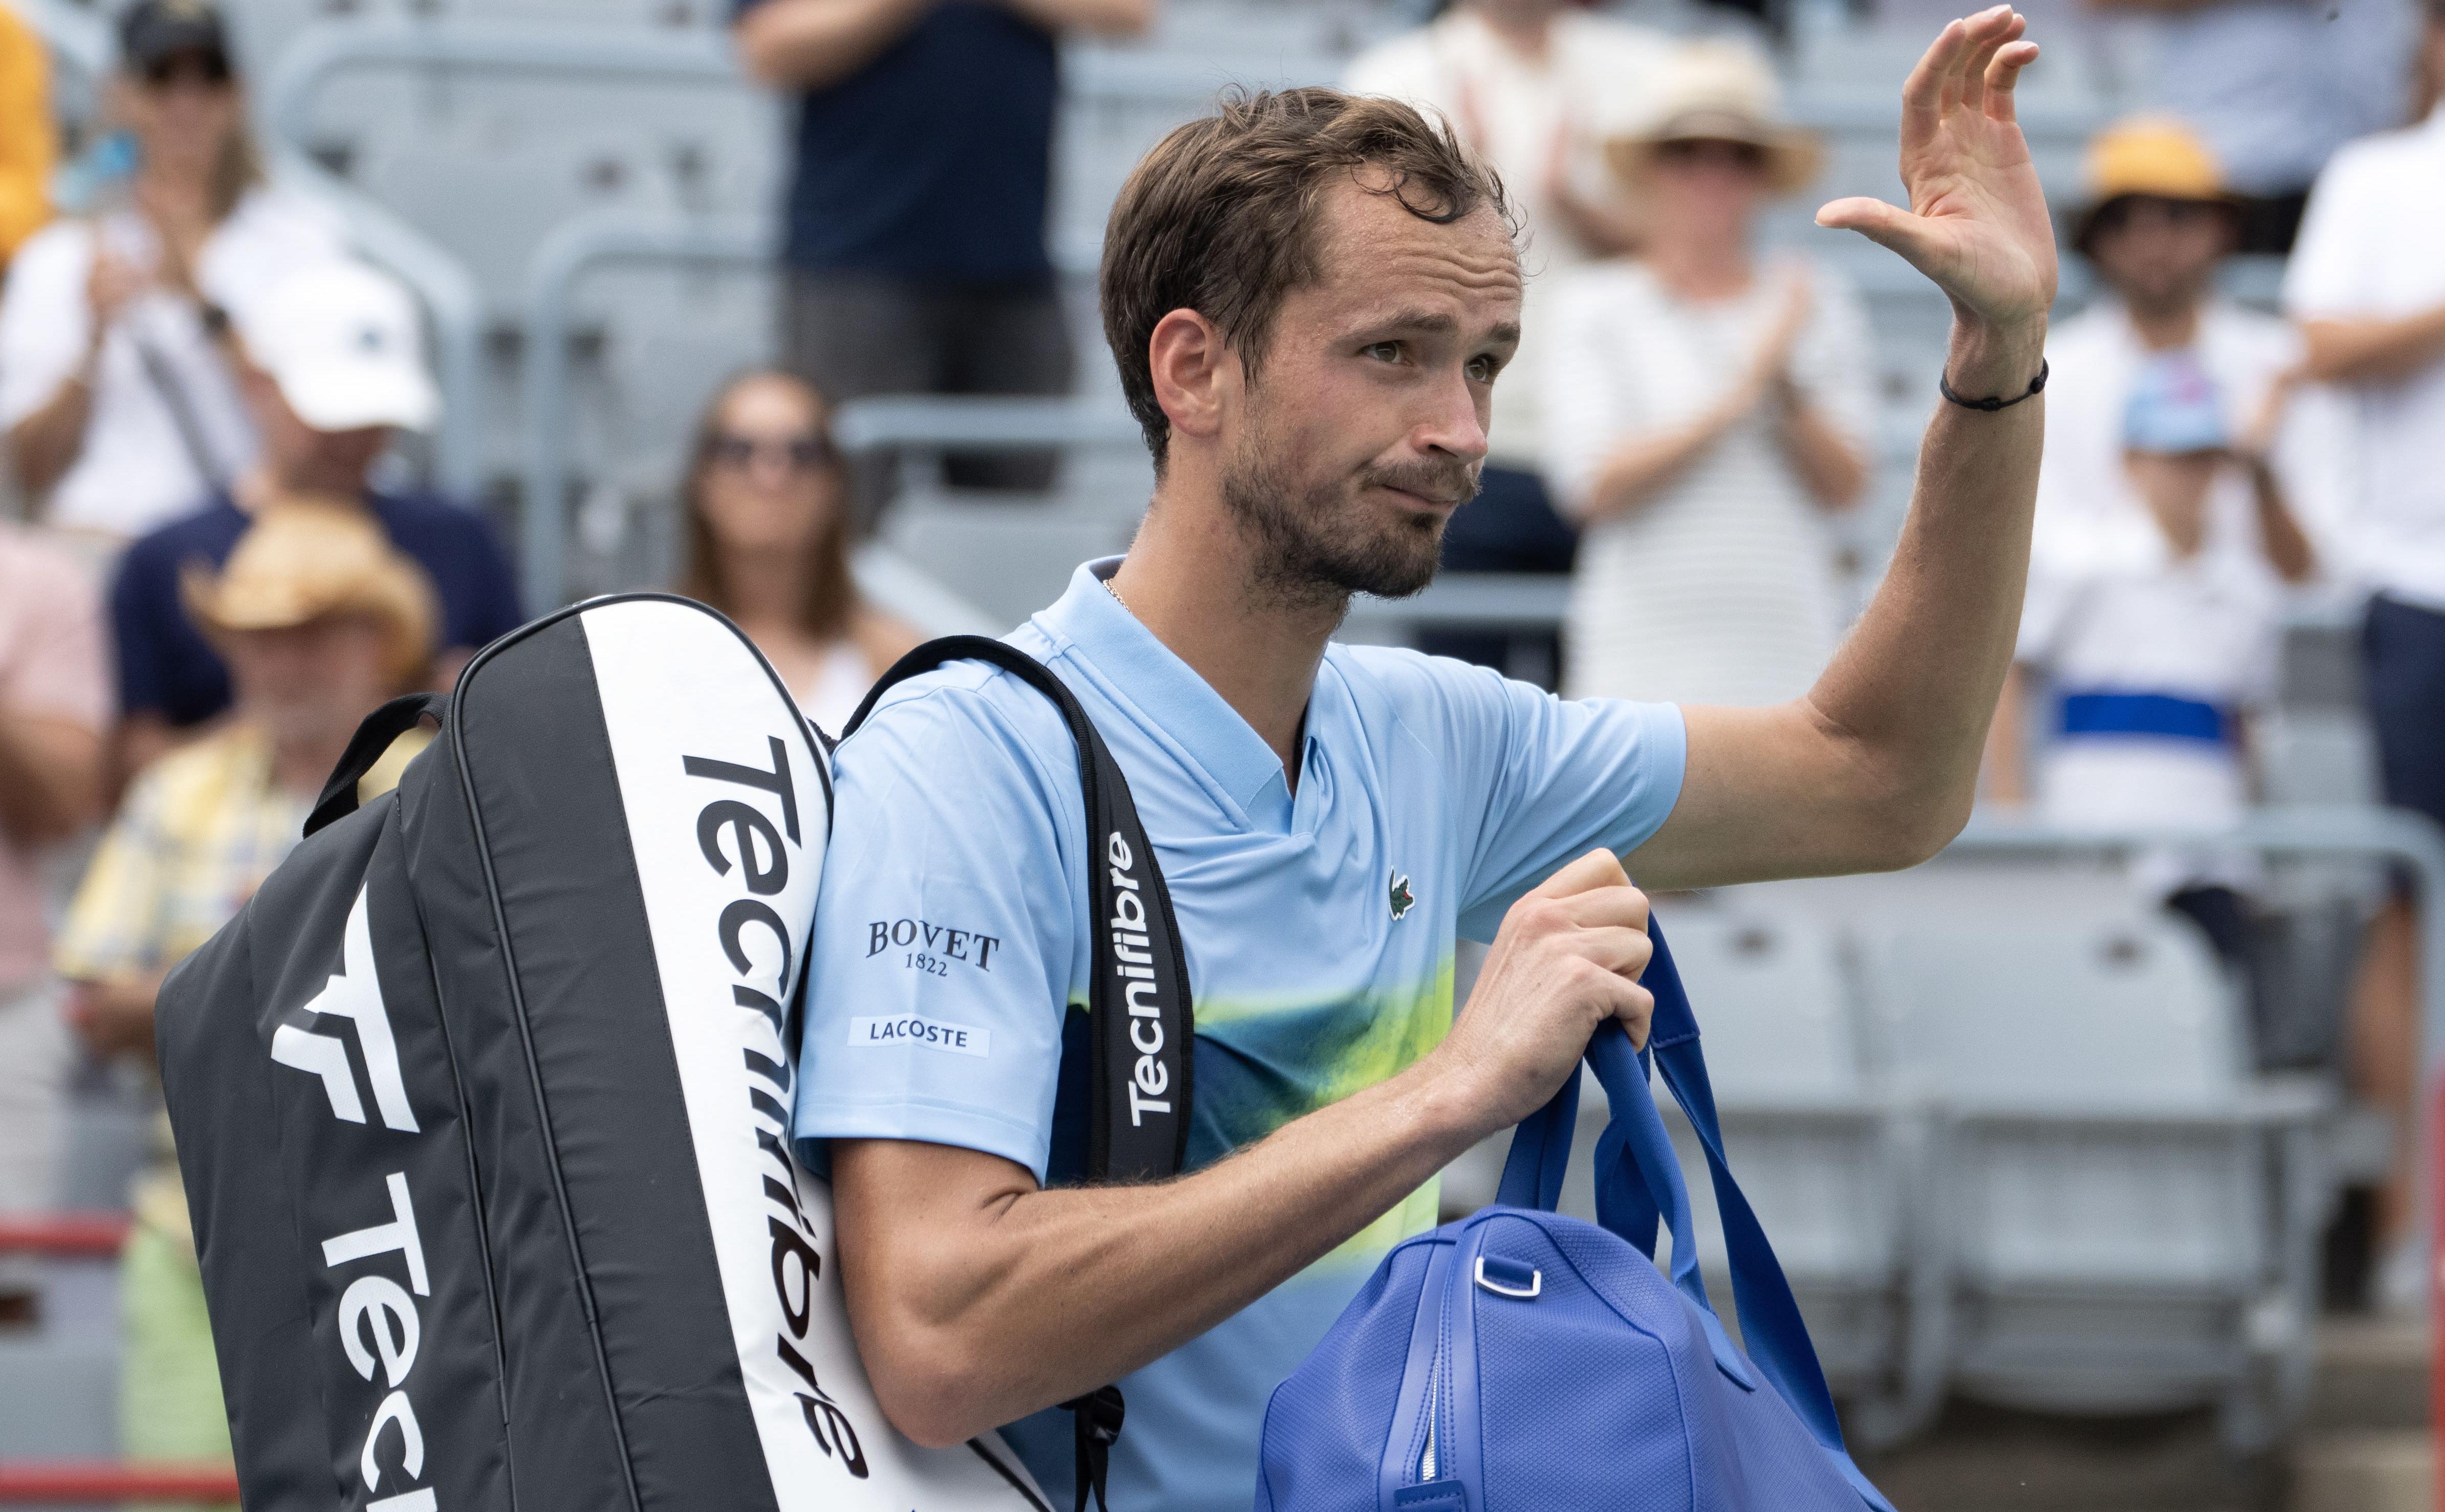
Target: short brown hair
point(1221, 218)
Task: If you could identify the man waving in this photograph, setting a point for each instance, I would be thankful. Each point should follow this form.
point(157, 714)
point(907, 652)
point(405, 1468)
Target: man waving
point(1311, 298)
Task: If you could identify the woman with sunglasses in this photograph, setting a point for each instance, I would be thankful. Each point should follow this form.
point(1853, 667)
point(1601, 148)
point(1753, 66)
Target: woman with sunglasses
point(119, 409)
point(767, 519)
point(1706, 411)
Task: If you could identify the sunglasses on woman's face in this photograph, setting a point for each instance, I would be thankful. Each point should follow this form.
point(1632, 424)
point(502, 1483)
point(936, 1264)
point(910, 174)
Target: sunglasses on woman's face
point(207, 68)
point(799, 453)
point(1708, 152)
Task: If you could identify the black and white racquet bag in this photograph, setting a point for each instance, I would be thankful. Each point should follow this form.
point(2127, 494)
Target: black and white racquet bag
point(482, 1105)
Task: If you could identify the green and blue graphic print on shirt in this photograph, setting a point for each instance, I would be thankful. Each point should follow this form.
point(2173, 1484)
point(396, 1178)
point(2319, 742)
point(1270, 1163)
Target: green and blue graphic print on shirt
point(951, 941)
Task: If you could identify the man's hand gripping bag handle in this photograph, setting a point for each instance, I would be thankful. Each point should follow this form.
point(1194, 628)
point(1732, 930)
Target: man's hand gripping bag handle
point(1638, 1181)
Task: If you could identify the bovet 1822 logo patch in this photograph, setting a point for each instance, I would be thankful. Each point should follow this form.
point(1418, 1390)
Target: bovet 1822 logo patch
point(1401, 897)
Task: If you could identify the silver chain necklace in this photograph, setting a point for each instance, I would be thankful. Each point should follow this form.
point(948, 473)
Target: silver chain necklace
point(1114, 589)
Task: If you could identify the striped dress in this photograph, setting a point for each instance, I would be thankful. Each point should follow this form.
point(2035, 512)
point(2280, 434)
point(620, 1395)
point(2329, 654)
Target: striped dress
point(1721, 587)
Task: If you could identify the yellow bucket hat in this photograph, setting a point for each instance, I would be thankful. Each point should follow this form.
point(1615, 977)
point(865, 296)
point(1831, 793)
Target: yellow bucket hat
point(299, 562)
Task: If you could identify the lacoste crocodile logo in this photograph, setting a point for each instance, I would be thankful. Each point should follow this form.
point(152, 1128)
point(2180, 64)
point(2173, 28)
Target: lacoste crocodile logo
point(1400, 896)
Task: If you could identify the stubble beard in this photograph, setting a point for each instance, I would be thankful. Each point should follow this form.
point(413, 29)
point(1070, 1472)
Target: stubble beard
point(1312, 543)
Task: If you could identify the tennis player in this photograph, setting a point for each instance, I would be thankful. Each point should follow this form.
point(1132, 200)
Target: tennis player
point(1312, 298)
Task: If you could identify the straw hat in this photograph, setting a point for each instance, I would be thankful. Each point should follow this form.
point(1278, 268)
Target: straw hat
point(1713, 91)
point(2156, 156)
point(299, 562)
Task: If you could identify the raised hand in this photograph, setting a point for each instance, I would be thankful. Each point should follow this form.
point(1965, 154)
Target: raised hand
point(1977, 221)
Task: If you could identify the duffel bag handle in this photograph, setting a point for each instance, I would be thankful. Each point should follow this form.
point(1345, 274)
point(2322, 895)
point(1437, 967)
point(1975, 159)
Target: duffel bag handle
point(373, 738)
point(1638, 1179)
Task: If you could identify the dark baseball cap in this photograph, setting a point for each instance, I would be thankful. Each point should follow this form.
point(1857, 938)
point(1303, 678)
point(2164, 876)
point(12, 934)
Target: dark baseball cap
point(153, 31)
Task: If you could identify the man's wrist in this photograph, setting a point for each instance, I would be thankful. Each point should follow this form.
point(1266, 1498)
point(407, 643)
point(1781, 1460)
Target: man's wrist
point(1999, 362)
point(1446, 1109)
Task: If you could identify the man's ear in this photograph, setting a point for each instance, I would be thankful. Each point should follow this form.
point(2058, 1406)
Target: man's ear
point(1196, 376)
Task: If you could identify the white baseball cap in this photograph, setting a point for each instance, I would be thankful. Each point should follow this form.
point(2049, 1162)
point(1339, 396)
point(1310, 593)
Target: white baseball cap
point(343, 342)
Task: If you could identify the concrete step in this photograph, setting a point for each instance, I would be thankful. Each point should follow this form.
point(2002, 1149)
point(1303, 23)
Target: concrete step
point(1984, 1459)
point(2368, 1445)
point(2369, 1470)
point(2372, 1373)
point(2363, 1445)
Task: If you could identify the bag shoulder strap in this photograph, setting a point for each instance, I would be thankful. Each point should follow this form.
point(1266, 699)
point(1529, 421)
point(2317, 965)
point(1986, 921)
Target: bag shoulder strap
point(373, 738)
point(1139, 1088)
point(1138, 997)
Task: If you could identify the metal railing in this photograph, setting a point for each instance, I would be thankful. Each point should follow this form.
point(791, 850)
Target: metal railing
point(326, 51)
point(567, 256)
point(587, 245)
point(108, 1482)
point(94, 1237)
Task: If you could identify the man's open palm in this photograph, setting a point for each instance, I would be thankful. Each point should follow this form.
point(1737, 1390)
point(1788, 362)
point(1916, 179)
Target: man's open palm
point(1977, 222)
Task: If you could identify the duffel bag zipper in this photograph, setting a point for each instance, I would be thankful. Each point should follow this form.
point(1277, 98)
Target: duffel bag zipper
point(1427, 1460)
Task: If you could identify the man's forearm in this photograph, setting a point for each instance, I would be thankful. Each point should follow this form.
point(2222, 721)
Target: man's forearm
point(2375, 351)
point(44, 445)
point(1914, 687)
point(1831, 466)
point(812, 44)
point(2289, 548)
point(1110, 18)
point(1062, 1291)
point(1646, 464)
point(50, 779)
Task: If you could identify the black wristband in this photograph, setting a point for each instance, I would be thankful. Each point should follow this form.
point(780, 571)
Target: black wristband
point(1989, 406)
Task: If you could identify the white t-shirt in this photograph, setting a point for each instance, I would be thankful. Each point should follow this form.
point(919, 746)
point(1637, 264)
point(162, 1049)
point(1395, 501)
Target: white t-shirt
point(1524, 116)
point(137, 468)
point(2087, 511)
point(837, 688)
point(1721, 588)
point(2202, 631)
point(2373, 246)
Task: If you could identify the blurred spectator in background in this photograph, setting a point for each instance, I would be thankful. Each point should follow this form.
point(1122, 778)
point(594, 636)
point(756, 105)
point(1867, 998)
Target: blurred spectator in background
point(2275, 86)
point(330, 362)
point(767, 503)
point(916, 247)
point(119, 410)
point(2157, 647)
point(28, 138)
point(1703, 412)
point(2155, 225)
point(54, 705)
point(2368, 286)
point(2163, 534)
point(320, 620)
point(1525, 83)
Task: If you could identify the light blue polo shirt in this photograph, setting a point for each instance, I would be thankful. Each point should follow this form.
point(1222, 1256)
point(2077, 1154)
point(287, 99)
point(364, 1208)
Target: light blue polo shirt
point(952, 947)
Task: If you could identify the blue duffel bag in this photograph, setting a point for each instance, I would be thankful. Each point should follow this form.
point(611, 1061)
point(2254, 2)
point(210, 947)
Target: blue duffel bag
point(1519, 1359)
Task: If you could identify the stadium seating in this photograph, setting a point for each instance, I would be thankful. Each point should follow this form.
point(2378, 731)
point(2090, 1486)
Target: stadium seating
point(2131, 1216)
point(1828, 1160)
point(59, 1380)
point(2028, 1162)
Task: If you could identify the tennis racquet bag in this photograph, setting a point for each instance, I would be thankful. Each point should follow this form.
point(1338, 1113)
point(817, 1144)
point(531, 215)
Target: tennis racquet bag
point(482, 1108)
